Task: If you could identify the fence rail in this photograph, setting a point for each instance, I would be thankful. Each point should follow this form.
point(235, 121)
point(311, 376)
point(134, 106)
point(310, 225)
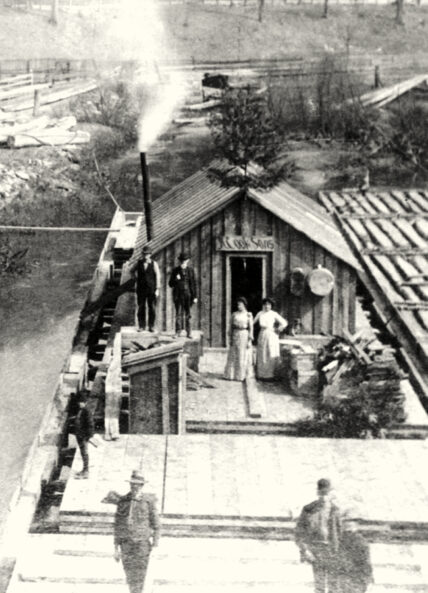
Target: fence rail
point(101, 5)
point(391, 68)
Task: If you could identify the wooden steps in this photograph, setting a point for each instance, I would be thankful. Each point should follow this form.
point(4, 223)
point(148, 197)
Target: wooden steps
point(85, 564)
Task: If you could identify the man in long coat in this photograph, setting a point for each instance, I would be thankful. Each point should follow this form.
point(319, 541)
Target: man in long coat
point(136, 531)
point(318, 534)
point(148, 284)
point(183, 284)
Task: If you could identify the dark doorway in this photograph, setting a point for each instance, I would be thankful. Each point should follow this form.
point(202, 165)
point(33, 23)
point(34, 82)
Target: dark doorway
point(247, 281)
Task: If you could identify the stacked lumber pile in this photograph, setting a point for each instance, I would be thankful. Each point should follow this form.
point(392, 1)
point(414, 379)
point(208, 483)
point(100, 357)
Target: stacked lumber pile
point(360, 365)
point(23, 98)
point(381, 97)
point(40, 131)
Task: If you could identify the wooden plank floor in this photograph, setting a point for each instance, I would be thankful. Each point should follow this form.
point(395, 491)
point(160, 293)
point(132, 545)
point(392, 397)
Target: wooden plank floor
point(76, 564)
point(258, 476)
point(110, 466)
point(227, 401)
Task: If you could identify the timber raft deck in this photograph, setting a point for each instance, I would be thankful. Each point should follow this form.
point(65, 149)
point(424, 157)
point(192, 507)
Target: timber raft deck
point(253, 485)
point(229, 406)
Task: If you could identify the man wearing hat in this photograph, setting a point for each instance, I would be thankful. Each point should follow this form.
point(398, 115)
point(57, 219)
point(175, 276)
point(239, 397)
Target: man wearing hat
point(148, 283)
point(136, 531)
point(318, 534)
point(84, 431)
point(183, 284)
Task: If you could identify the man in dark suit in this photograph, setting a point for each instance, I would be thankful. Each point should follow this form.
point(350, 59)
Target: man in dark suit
point(318, 534)
point(183, 284)
point(84, 431)
point(148, 283)
point(136, 531)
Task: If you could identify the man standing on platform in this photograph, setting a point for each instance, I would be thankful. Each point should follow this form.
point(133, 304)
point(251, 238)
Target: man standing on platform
point(136, 531)
point(183, 284)
point(148, 282)
point(84, 431)
point(318, 534)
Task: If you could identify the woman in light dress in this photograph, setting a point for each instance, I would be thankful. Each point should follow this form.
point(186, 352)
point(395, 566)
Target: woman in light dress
point(271, 325)
point(240, 349)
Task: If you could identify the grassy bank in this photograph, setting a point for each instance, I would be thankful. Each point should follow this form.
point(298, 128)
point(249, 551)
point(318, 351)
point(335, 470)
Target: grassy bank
point(221, 32)
point(217, 33)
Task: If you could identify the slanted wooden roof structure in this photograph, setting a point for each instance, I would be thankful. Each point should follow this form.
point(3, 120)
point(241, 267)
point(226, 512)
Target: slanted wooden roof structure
point(209, 190)
point(388, 231)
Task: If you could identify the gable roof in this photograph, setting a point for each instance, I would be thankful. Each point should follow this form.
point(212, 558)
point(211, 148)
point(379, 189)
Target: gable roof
point(200, 196)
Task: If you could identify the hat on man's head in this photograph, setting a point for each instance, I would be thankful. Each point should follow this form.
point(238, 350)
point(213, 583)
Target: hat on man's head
point(146, 250)
point(137, 478)
point(183, 256)
point(324, 484)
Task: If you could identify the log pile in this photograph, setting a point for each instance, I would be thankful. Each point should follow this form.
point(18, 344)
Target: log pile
point(41, 131)
point(360, 366)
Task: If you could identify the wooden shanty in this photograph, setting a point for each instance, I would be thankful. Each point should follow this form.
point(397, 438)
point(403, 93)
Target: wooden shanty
point(388, 232)
point(247, 241)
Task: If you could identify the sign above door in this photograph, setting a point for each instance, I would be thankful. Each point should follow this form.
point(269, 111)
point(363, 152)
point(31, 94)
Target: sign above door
point(239, 243)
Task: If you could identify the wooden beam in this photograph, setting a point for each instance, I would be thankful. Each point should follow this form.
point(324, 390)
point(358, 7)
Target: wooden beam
point(393, 215)
point(411, 305)
point(11, 227)
point(395, 251)
point(199, 379)
point(358, 351)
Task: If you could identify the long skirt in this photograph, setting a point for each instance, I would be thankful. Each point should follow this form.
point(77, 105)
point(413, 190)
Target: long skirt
point(267, 357)
point(238, 357)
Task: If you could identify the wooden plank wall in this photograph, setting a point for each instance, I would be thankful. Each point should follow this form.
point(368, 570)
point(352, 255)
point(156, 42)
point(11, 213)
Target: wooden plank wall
point(292, 249)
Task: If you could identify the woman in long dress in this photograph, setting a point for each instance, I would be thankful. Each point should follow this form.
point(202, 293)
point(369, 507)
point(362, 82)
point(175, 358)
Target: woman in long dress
point(271, 325)
point(240, 351)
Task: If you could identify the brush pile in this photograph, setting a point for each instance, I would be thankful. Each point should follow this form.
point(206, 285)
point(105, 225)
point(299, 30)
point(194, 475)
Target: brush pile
point(361, 367)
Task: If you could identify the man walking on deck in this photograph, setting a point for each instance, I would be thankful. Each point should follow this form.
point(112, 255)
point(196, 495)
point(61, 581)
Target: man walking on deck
point(318, 534)
point(84, 431)
point(183, 284)
point(136, 531)
point(148, 282)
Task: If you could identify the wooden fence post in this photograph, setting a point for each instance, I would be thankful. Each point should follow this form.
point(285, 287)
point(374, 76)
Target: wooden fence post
point(36, 105)
point(377, 82)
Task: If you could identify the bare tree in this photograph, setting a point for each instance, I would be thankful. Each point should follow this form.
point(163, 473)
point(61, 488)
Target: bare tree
point(325, 13)
point(399, 15)
point(54, 12)
point(261, 7)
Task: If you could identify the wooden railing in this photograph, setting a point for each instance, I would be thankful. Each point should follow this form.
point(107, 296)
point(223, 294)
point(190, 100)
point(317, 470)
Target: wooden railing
point(390, 68)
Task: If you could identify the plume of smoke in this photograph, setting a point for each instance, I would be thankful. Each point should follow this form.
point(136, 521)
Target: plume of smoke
point(139, 34)
point(163, 96)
